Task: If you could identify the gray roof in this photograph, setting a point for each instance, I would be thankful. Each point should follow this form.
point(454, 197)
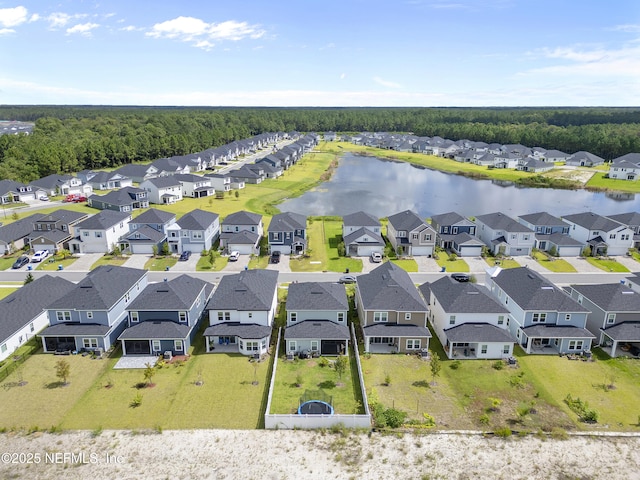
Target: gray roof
point(500, 221)
point(317, 296)
point(50, 182)
point(287, 222)
point(120, 197)
point(353, 237)
point(396, 330)
point(628, 219)
point(406, 220)
point(449, 218)
point(197, 220)
point(611, 297)
point(543, 219)
point(242, 330)
point(10, 186)
point(101, 289)
point(628, 157)
point(323, 329)
point(179, 293)
point(75, 329)
point(553, 331)
point(147, 233)
point(164, 181)
point(156, 329)
point(133, 170)
point(103, 219)
point(585, 156)
point(360, 219)
point(20, 308)
point(478, 332)
point(243, 237)
point(625, 331)
point(155, 216)
point(247, 290)
point(531, 291)
point(19, 229)
point(242, 218)
point(389, 287)
point(560, 239)
point(190, 178)
point(593, 221)
point(63, 215)
point(461, 297)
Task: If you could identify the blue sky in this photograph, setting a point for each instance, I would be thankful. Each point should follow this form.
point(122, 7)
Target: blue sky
point(321, 53)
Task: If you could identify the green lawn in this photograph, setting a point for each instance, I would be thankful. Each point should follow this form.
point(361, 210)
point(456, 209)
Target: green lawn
point(457, 265)
point(6, 261)
point(110, 260)
point(553, 264)
point(408, 264)
point(203, 264)
point(598, 181)
point(52, 263)
point(502, 262)
point(6, 291)
point(160, 264)
point(608, 265)
point(257, 261)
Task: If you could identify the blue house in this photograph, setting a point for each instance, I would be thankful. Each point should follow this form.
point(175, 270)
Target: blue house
point(552, 233)
point(457, 233)
point(165, 317)
point(288, 233)
point(93, 314)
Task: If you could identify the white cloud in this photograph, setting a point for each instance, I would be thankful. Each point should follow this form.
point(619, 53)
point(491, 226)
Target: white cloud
point(60, 19)
point(386, 83)
point(201, 34)
point(631, 28)
point(34, 18)
point(12, 17)
point(343, 76)
point(131, 28)
point(6, 31)
point(82, 29)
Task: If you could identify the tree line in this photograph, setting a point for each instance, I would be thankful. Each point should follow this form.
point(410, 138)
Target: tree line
point(69, 139)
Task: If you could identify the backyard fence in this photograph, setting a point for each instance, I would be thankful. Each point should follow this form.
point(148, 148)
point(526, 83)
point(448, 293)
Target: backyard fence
point(11, 364)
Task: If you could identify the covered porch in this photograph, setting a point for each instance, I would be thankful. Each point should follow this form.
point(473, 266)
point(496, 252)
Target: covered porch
point(552, 340)
point(622, 339)
point(236, 337)
point(75, 337)
point(478, 340)
point(395, 338)
point(322, 337)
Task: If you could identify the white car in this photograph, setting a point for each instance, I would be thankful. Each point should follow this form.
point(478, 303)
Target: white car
point(376, 257)
point(39, 256)
point(235, 255)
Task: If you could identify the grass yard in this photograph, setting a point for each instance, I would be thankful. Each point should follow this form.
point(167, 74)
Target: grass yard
point(52, 263)
point(553, 264)
point(203, 264)
point(502, 262)
point(313, 376)
point(257, 261)
point(407, 264)
point(160, 264)
point(110, 260)
point(6, 291)
point(599, 182)
point(6, 261)
point(457, 265)
point(606, 264)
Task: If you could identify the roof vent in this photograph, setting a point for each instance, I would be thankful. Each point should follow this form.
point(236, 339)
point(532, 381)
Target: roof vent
point(530, 275)
point(547, 287)
point(627, 292)
point(473, 292)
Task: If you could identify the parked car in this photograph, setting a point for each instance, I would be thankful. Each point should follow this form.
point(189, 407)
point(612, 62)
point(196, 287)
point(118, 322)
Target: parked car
point(44, 198)
point(20, 262)
point(185, 255)
point(235, 255)
point(275, 257)
point(39, 256)
point(461, 277)
point(376, 257)
point(347, 279)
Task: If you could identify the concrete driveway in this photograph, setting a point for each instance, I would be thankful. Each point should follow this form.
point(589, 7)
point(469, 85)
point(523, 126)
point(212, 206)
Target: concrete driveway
point(84, 262)
point(581, 265)
point(284, 265)
point(137, 260)
point(241, 264)
point(188, 265)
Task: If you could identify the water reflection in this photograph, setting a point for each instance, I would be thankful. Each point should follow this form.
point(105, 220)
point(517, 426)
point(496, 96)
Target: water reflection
point(384, 187)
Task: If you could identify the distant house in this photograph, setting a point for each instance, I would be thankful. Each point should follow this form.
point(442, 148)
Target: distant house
point(15, 235)
point(626, 167)
point(241, 313)
point(62, 185)
point(169, 166)
point(317, 319)
point(100, 232)
point(23, 312)
point(632, 221)
point(288, 233)
point(124, 200)
point(555, 156)
point(219, 182)
point(410, 235)
point(137, 172)
point(241, 232)
point(105, 180)
point(392, 313)
point(146, 230)
point(163, 190)
point(456, 233)
point(552, 234)
point(246, 175)
point(54, 231)
point(584, 159)
point(469, 322)
point(362, 235)
point(93, 314)
point(603, 235)
point(195, 186)
point(165, 317)
point(503, 235)
point(195, 231)
point(12, 192)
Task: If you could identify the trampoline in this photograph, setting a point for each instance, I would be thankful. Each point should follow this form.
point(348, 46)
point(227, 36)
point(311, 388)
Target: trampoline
point(315, 407)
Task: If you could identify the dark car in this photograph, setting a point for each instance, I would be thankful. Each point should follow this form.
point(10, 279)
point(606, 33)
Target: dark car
point(275, 257)
point(461, 277)
point(185, 255)
point(347, 279)
point(20, 262)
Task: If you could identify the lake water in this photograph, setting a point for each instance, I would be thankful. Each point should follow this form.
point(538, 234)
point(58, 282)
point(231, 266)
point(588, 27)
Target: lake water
point(383, 187)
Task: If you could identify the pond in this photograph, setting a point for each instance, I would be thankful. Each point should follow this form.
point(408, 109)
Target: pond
point(383, 187)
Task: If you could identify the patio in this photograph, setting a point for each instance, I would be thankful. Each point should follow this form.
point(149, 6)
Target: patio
point(136, 362)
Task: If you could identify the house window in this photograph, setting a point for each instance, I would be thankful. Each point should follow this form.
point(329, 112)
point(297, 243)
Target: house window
point(197, 235)
point(452, 320)
point(380, 317)
point(414, 236)
point(89, 315)
point(250, 314)
point(427, 237)
point(293, 317)
point(445, 229)
point(580, 298)
point(182, 317)
point(513, 236)
point(3, 348)
point(567, 317)
point(31, 327)
point(292, 346)
point(314, 346)
point(612, 235)
point(340, 317)
point(178, 345)
point(224, 316)
point(483, 349)
point(90, 342)
point(98, 234)
point(506, 349)
point(155, 345)
point(539, 318)
point(500, 319)
point(413, 344)
point(611, 318)
point(85, 234)
point(63, 316)
point(133, 316)
point(251, 346)
point(525, 237)
point(127, 297)
point(575, 345)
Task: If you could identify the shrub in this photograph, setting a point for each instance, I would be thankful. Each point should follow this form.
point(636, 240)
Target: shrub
point(504, 432)
point(498, 365)
point(323, 362)
point(484, 419)
point(137, 401)
point(387, 379)
point(387, 417)
point(581, 408)
point(455, 365)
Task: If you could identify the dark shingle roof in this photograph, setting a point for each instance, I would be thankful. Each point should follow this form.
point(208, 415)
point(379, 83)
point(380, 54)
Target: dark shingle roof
point(353, 237)
point(72, 329)
point(389, 287)
point(323, 329)
point(197, 220)
point(103, 219)
point(593, 221)
point(360, 219)
point(628, 219)
point(241, 330)
point(247, 290)
point(317, 296)
point(164, 181)
point(457, 297)
point(478, 332)
point(155, 216)
point(242, 237)
point(123, 196)
point(242, 218)
point(156, 329)
point(446, 219)
point(396, 330)
point(553, 331)
point(177, 294)
point(287, 222)
point(543, 219)
point(625, 331)
point(611, 297)
point(19, 229)
point(500, 221)
point(406, 220)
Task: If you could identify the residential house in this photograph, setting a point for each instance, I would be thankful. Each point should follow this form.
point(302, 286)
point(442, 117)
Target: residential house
point(410, 235)
point(317, 319)
point(93, 314)
point(164, 190)
point(12, 192)
point(288, 233)
point(543, 318)
point(632, 221)
point(584, 159)
point(165, 317)
point(23, 311)
point(123, 200)
point(457, 234)
point(362, 235)
point(53, 231)
point(552, 234)
point(169, 166)
point(555, 156)
point(105, 180)
point(15, 235)
point(147, 230)
point(615, 314)
point(626, 167)
point(241, 313)
point(241, 232)
point(503, 235)
point(469, 322)
point(195, 231)
point(392, 313)
point(603, 235)
point(137, 172)
point(219, 182)
point(246, 175)
point(62, 185)
point(534, 165)
point(195, 186)
point(100, 233)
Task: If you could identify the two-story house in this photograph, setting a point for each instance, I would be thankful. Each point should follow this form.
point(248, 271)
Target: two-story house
point(469, 322)
point(195, 186)
point(12, 192)
point(362, 235)
point(219, 182)
point(626, 167)
point(632, 221)
point(584, 159)
point(165, 317)
point(55, 184)
point(124, 200)
point(503, 235)
point(317, 319)
point(241, 313)
point(241, 232)
point(552, 234)
point(392, 313)
point(457, 234)
point(194, 231)
point(146, 230)
point(100, 232)
point(15, 235)
point(54, 231)
point(410, 235)
point(603, 235)
point(93, 314)
point(543, 318)
point(137, 172)
point(288, 233)
point(164, 190)
point(104, 180)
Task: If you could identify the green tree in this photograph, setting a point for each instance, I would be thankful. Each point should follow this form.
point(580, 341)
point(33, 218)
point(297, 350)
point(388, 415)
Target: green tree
point(29, 278)
point(340, 365)
point(149, 372)
point(63, 370)
point(64, 253)
point(212, 257)
point(165, 248)
point(586, 251)
point(435, 365)
point(237, 193)
point(155, 250)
